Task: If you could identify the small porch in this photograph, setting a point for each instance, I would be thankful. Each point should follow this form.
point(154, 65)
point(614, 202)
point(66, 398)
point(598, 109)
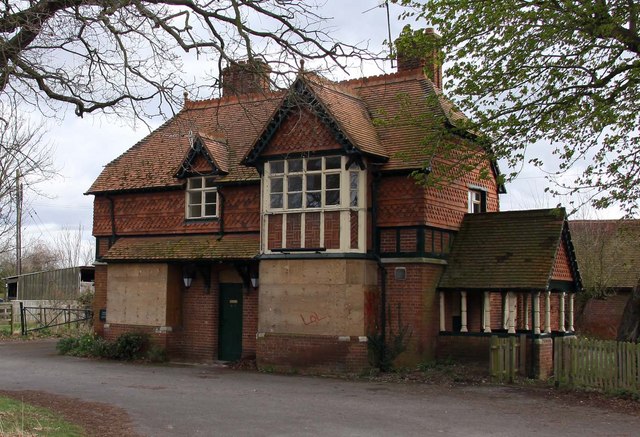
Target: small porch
point(509, 274)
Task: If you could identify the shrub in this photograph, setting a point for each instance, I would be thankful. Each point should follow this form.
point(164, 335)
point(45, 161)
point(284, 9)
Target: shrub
point(130, 346)
point(103, 348)
point(66, 345)
point(157, 354)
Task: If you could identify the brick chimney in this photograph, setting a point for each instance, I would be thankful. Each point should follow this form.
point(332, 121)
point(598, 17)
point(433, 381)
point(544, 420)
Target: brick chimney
point(245, 77)
point(419, 48)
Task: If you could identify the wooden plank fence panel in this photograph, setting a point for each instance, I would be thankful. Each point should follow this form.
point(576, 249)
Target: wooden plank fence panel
point(603, 365)
point(504, 357)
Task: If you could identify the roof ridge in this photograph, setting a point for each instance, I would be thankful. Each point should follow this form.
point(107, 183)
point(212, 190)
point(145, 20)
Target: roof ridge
point(414, 72)
point(233, 99)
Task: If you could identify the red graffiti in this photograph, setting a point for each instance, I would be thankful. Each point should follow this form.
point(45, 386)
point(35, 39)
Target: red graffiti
point(313, 318)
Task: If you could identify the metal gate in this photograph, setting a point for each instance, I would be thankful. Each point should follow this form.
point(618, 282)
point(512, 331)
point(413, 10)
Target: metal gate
point(38, 318)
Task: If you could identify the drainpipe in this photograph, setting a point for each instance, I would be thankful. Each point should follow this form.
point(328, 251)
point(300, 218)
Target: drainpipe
point(221, 219)
point(381, 267)
point(112, 215)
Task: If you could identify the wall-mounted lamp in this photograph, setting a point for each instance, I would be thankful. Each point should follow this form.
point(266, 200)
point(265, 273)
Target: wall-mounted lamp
point(254, 279)
point(188, 274)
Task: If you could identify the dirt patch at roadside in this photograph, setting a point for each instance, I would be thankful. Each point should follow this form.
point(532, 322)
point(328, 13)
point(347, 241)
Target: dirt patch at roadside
point(97, 419)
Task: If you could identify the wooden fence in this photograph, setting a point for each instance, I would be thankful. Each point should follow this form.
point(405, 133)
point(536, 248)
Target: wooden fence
point(6, 317)
point(603, 365)
point(507, 357)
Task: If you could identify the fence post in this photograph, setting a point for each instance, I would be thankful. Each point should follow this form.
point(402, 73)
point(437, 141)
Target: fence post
point(11, 319)
point(557, 357)
point(22, 327)
point(523, 355)
point(512, 358)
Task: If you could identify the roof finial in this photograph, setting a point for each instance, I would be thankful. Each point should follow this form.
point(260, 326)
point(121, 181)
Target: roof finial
point(186, 97)
point(301, 65)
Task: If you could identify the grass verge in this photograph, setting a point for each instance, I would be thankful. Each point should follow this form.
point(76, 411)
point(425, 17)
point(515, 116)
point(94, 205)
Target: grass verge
point(24, 420)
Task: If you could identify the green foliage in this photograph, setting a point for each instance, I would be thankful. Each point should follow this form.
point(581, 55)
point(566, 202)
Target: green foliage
point(85, 299)
point(156, 354)
point(20, 419)
point(564, 74)
point(383, 352)
point(130, 346)
point(127, 347)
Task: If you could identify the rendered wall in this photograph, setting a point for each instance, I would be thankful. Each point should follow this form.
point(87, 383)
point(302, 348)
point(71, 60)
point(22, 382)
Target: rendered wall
point(315, 297)
point(137, 294)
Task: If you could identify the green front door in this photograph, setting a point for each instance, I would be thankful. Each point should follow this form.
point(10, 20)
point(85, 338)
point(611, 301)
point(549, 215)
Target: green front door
point(230, 332)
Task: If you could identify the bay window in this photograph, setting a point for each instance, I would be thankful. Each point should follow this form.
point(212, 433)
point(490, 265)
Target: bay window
point(311, 201)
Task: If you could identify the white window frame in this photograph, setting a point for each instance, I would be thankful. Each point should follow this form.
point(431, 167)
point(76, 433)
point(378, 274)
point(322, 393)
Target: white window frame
point(205, 187)
point(288, 176)
point(350, 187)
point(475, 199)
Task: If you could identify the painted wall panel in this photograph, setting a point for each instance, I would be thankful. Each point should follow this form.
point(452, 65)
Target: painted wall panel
point(137, 294)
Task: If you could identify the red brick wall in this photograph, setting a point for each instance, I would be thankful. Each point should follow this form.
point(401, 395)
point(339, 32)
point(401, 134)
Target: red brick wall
point(600, 318)
point(400, 202)
point(162, 339)
point(543, 359)
point(312, 229)
point(332, 230)
point(464, 348)
point(196, 339)
point(311, 353)
point(163, 213)
point(275, 231)
point(294, 230)
point(99, 297)
point(249, 323)
point(417, 301)
point(446, 206)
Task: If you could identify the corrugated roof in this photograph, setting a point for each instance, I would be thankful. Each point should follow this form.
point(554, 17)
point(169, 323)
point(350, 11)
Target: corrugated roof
point(512, 250)
point(184, 248)
point(387, 116)
point(608, 252)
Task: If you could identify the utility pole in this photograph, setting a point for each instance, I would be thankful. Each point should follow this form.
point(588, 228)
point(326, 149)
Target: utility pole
point(18, 224)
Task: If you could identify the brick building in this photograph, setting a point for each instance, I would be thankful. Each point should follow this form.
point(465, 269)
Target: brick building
point(607, 251)
point(287, 225)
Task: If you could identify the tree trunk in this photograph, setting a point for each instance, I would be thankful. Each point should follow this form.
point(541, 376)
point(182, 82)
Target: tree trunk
point(629, 329)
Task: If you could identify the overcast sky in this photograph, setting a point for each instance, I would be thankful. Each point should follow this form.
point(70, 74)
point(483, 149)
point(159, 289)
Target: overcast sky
point(84, 145)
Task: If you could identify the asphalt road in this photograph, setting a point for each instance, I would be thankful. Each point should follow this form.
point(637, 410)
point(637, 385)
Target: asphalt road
point(212, 401)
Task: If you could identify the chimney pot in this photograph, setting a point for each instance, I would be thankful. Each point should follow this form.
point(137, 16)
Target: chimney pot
point(419, 49)
point(244, 77)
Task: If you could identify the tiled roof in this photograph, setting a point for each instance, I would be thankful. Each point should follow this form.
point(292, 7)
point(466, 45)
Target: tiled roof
point(387, 116)
point(407, 111)
point(351, 114)
point(608, 252)
point(191, 248)
point(152, 162)
point(513, 250)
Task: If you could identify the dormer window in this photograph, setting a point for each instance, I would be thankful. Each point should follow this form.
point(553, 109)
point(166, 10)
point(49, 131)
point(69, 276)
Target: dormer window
point(477, 201)
point(202, 198)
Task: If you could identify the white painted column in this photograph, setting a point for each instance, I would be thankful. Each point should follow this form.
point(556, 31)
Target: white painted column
point(442, 315)
point(562, 313)
point(571, 297)
point(536, 313)
point(511, 300)
point(505, 310)
point(486, 321)
point(547, 313)
point(526, 312)
point(463, 311)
